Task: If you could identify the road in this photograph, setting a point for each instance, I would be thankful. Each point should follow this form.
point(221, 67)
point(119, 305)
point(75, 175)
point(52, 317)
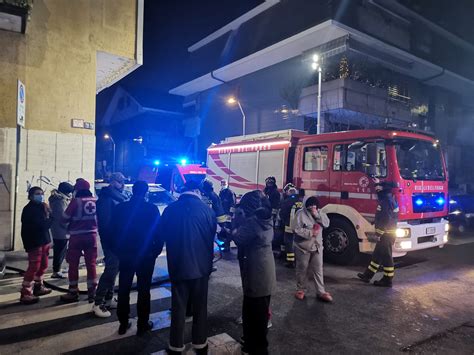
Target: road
point(429, 310)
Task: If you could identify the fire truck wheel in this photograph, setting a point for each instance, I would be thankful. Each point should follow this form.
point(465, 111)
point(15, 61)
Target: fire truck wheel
point(341, 245)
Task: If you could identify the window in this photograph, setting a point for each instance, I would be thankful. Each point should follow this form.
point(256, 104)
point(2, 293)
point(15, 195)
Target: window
point(338, 158)
point(354, 158)
point(315, 158)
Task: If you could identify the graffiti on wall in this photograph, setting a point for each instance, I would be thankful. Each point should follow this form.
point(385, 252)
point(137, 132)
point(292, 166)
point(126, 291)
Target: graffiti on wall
point(45, 182)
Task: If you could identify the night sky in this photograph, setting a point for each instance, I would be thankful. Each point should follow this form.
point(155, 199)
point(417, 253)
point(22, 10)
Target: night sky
point(170, 27)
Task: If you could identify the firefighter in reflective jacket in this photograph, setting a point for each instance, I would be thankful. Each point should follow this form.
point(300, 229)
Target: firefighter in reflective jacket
point(289, 206)
point(386, 219)
point(271, 191)
point(228, 201)
point(211, 198)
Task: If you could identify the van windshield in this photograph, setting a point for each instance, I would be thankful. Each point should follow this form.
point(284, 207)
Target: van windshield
point(419, 160)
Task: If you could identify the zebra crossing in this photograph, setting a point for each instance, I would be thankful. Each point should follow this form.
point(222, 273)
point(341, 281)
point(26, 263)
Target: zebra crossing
point(52, 327)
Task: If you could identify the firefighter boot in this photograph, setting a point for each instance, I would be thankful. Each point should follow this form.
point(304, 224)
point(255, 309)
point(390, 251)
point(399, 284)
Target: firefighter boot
point(369, 272)
point(385, 281)
point(366, 276)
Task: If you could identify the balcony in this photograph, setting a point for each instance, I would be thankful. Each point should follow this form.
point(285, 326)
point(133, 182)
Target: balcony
point(364, 104)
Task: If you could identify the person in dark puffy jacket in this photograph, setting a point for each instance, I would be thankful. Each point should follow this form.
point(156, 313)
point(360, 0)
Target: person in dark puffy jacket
point(188, 228)
point(58, 202)
point(253, 234)
point(35, 223)
point(109, 197)
point(386, 219)
point(134, 227)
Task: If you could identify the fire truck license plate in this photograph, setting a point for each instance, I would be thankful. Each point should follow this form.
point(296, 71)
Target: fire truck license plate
point(431, 230)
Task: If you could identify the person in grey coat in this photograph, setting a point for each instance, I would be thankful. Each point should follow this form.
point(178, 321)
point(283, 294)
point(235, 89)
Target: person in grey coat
point(58, 202)
point(309, 225)
point(253, 234)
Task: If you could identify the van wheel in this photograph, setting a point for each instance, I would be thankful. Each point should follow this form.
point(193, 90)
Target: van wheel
point(341, 245)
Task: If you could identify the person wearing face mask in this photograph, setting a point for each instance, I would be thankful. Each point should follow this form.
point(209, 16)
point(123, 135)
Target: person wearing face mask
point(35, 223)
point(58, 201)
point(308, 243)
point(109, 197)
point(386, 219)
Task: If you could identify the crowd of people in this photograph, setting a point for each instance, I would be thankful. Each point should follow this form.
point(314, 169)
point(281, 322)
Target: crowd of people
point(132, 234)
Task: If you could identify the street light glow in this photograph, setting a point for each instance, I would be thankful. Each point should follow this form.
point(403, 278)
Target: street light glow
point(231, 100)
point(106, 136)
point(315, 66)
point(315, 58)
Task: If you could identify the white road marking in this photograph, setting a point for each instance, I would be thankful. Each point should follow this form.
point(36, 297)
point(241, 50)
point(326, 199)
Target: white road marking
point(81, 338)
point(64, 310)
point(220, 344)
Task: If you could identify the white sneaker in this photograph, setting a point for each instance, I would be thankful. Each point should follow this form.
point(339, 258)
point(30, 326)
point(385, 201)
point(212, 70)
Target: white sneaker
point(239, 320)
point(101, 311)
point(58, 275)
point(269, 324)
point(111, 304)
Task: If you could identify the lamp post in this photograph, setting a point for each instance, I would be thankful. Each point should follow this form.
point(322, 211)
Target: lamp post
point(109, 137)
point(317, 66)
point(232, 101)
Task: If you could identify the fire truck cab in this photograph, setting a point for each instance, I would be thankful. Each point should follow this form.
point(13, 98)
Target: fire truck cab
point(337, 167)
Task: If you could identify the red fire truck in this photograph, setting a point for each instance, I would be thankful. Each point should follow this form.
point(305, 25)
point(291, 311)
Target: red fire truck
point(337, 168)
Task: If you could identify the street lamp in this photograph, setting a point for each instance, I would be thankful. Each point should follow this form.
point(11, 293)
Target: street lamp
point(109, 137)
point(317, 66)
point(232, 101)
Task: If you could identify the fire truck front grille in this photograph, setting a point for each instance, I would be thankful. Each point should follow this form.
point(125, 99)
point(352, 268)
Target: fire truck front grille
point(428, 238)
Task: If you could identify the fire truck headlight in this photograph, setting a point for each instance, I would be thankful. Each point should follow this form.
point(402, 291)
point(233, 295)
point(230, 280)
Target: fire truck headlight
point(446, 227)
point(402, 232)
point(445, 238)
point(405, 244)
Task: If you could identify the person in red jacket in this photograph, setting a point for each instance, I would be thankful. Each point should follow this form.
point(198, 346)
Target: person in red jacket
point(82, 219)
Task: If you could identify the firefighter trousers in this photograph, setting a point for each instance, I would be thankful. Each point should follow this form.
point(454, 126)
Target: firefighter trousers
point(382, 256)
point(289, 248)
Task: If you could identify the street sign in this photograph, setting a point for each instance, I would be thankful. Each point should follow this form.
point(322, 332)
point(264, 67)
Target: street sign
point(21, 105)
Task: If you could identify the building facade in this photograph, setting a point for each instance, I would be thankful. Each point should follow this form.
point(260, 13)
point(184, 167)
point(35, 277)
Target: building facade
point(70, 51)
point(383, 65)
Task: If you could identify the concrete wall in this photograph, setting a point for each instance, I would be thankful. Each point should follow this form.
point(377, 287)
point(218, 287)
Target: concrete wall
point(56, 60)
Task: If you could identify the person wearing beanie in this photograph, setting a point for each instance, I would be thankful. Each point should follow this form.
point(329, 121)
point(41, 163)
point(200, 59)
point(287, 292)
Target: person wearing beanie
point(109, 197)
point(386, 219)
point(35, 223)
point(308, 227)
point(81, 218)
point(58, 202)
point(253, 233)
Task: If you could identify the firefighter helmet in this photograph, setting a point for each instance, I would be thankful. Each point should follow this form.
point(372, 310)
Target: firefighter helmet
point(288, 187)
point(270, 180)
point(207, 185)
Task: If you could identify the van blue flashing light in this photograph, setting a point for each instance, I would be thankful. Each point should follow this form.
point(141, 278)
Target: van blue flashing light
point(183, 161)
point(156, 162)
point(440, 201)
point(419, 202)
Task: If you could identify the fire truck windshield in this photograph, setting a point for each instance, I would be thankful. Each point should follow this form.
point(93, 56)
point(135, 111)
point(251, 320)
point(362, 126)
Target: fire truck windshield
point(419, 160)
point(194, 177)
